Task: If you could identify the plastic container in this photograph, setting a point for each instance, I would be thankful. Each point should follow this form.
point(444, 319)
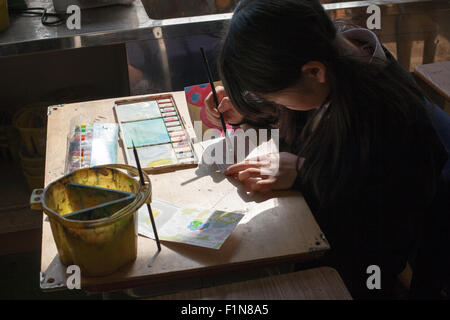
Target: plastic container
point(4, 18)
point(99, 247)
point(13, 142)
point(33, 169)
point(90, 144)
point(34, 181)
point(31, 124)
point(28, 161)
point(35, 172)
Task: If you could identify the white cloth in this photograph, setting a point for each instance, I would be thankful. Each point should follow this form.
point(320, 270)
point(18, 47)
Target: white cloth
point(370, 41)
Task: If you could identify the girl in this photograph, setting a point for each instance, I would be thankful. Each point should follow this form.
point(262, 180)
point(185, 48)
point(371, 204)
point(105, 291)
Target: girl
point(355, 134)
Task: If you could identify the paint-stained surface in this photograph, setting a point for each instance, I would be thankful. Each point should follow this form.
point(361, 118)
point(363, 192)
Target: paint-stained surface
point(138, 111)
point(145, 133)
point(99, 246)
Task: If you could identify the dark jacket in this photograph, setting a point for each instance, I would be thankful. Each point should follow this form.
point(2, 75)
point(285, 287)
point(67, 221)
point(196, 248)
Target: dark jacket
point(381, 221)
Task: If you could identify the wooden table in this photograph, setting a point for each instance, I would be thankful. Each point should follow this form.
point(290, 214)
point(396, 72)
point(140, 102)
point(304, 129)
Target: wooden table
point(435, 80)
point(276, 228)
point(314, 284)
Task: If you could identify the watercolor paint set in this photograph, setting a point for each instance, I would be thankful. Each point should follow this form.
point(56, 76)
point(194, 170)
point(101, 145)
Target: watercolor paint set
point(157, 130)
point(91, 144)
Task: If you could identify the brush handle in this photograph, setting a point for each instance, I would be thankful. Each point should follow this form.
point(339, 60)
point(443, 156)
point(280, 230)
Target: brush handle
point(155, 233)
point(138, 164)
point(213, 89)
point(150, 212)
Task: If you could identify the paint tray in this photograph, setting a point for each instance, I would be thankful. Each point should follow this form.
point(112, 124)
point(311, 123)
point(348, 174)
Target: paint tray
point(92, 202)
point(90, 144)
point(93, 216)
point(157, 129)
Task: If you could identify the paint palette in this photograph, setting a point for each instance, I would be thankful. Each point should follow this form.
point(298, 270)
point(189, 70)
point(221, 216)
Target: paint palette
point(157, 130)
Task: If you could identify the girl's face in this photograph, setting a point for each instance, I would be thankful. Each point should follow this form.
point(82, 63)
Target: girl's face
point(310, 93)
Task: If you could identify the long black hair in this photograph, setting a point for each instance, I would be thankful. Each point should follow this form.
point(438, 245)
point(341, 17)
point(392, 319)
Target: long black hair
point(265, 46)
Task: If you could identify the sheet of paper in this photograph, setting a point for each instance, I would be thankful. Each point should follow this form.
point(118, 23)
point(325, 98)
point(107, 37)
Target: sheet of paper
point(162, 211)
point(138, 111)
point(210, 156)
point(144, 133)
point(104, 143)
point(217, 152)
point(154, 156)
point(195, 226)
point(200, 227)
point(264, 148)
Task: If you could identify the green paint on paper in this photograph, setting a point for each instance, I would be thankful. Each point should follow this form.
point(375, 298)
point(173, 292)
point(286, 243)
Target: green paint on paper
point(145, 133)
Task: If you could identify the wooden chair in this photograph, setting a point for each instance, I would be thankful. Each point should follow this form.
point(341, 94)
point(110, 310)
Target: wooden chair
point(434, 78)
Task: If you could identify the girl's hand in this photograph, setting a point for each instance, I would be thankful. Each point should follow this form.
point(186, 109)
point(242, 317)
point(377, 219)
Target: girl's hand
point(274, 171)
point(230, 114)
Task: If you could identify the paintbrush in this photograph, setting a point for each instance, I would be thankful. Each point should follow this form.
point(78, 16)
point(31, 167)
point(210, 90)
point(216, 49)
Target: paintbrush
point(213, 89)
point(141, 177)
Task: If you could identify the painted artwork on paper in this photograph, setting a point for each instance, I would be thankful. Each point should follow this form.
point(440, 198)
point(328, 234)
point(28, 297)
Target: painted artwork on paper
point(157, 130)
point(138, 111)
point(195, 98)
point(194, 226)
point(154, 156)
point(201, 227)
point(145, 133)
point(162, 211)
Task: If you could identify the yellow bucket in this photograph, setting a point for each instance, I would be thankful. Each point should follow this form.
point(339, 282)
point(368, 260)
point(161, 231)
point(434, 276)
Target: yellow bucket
point(31, 123)
point(4, 19)
point(99, 247)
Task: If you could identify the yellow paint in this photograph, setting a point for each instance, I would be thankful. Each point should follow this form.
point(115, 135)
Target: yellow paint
point(102, 246)
point(204, 238)
point(189, 211)
point(182, 238)
point(161, 162)
point(203, 213)
point(156, 213)
point(175, 238)
point(224, 217)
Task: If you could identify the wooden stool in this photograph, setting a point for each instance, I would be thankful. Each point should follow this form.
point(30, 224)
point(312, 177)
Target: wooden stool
point(434, 78)
point(322, 283)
